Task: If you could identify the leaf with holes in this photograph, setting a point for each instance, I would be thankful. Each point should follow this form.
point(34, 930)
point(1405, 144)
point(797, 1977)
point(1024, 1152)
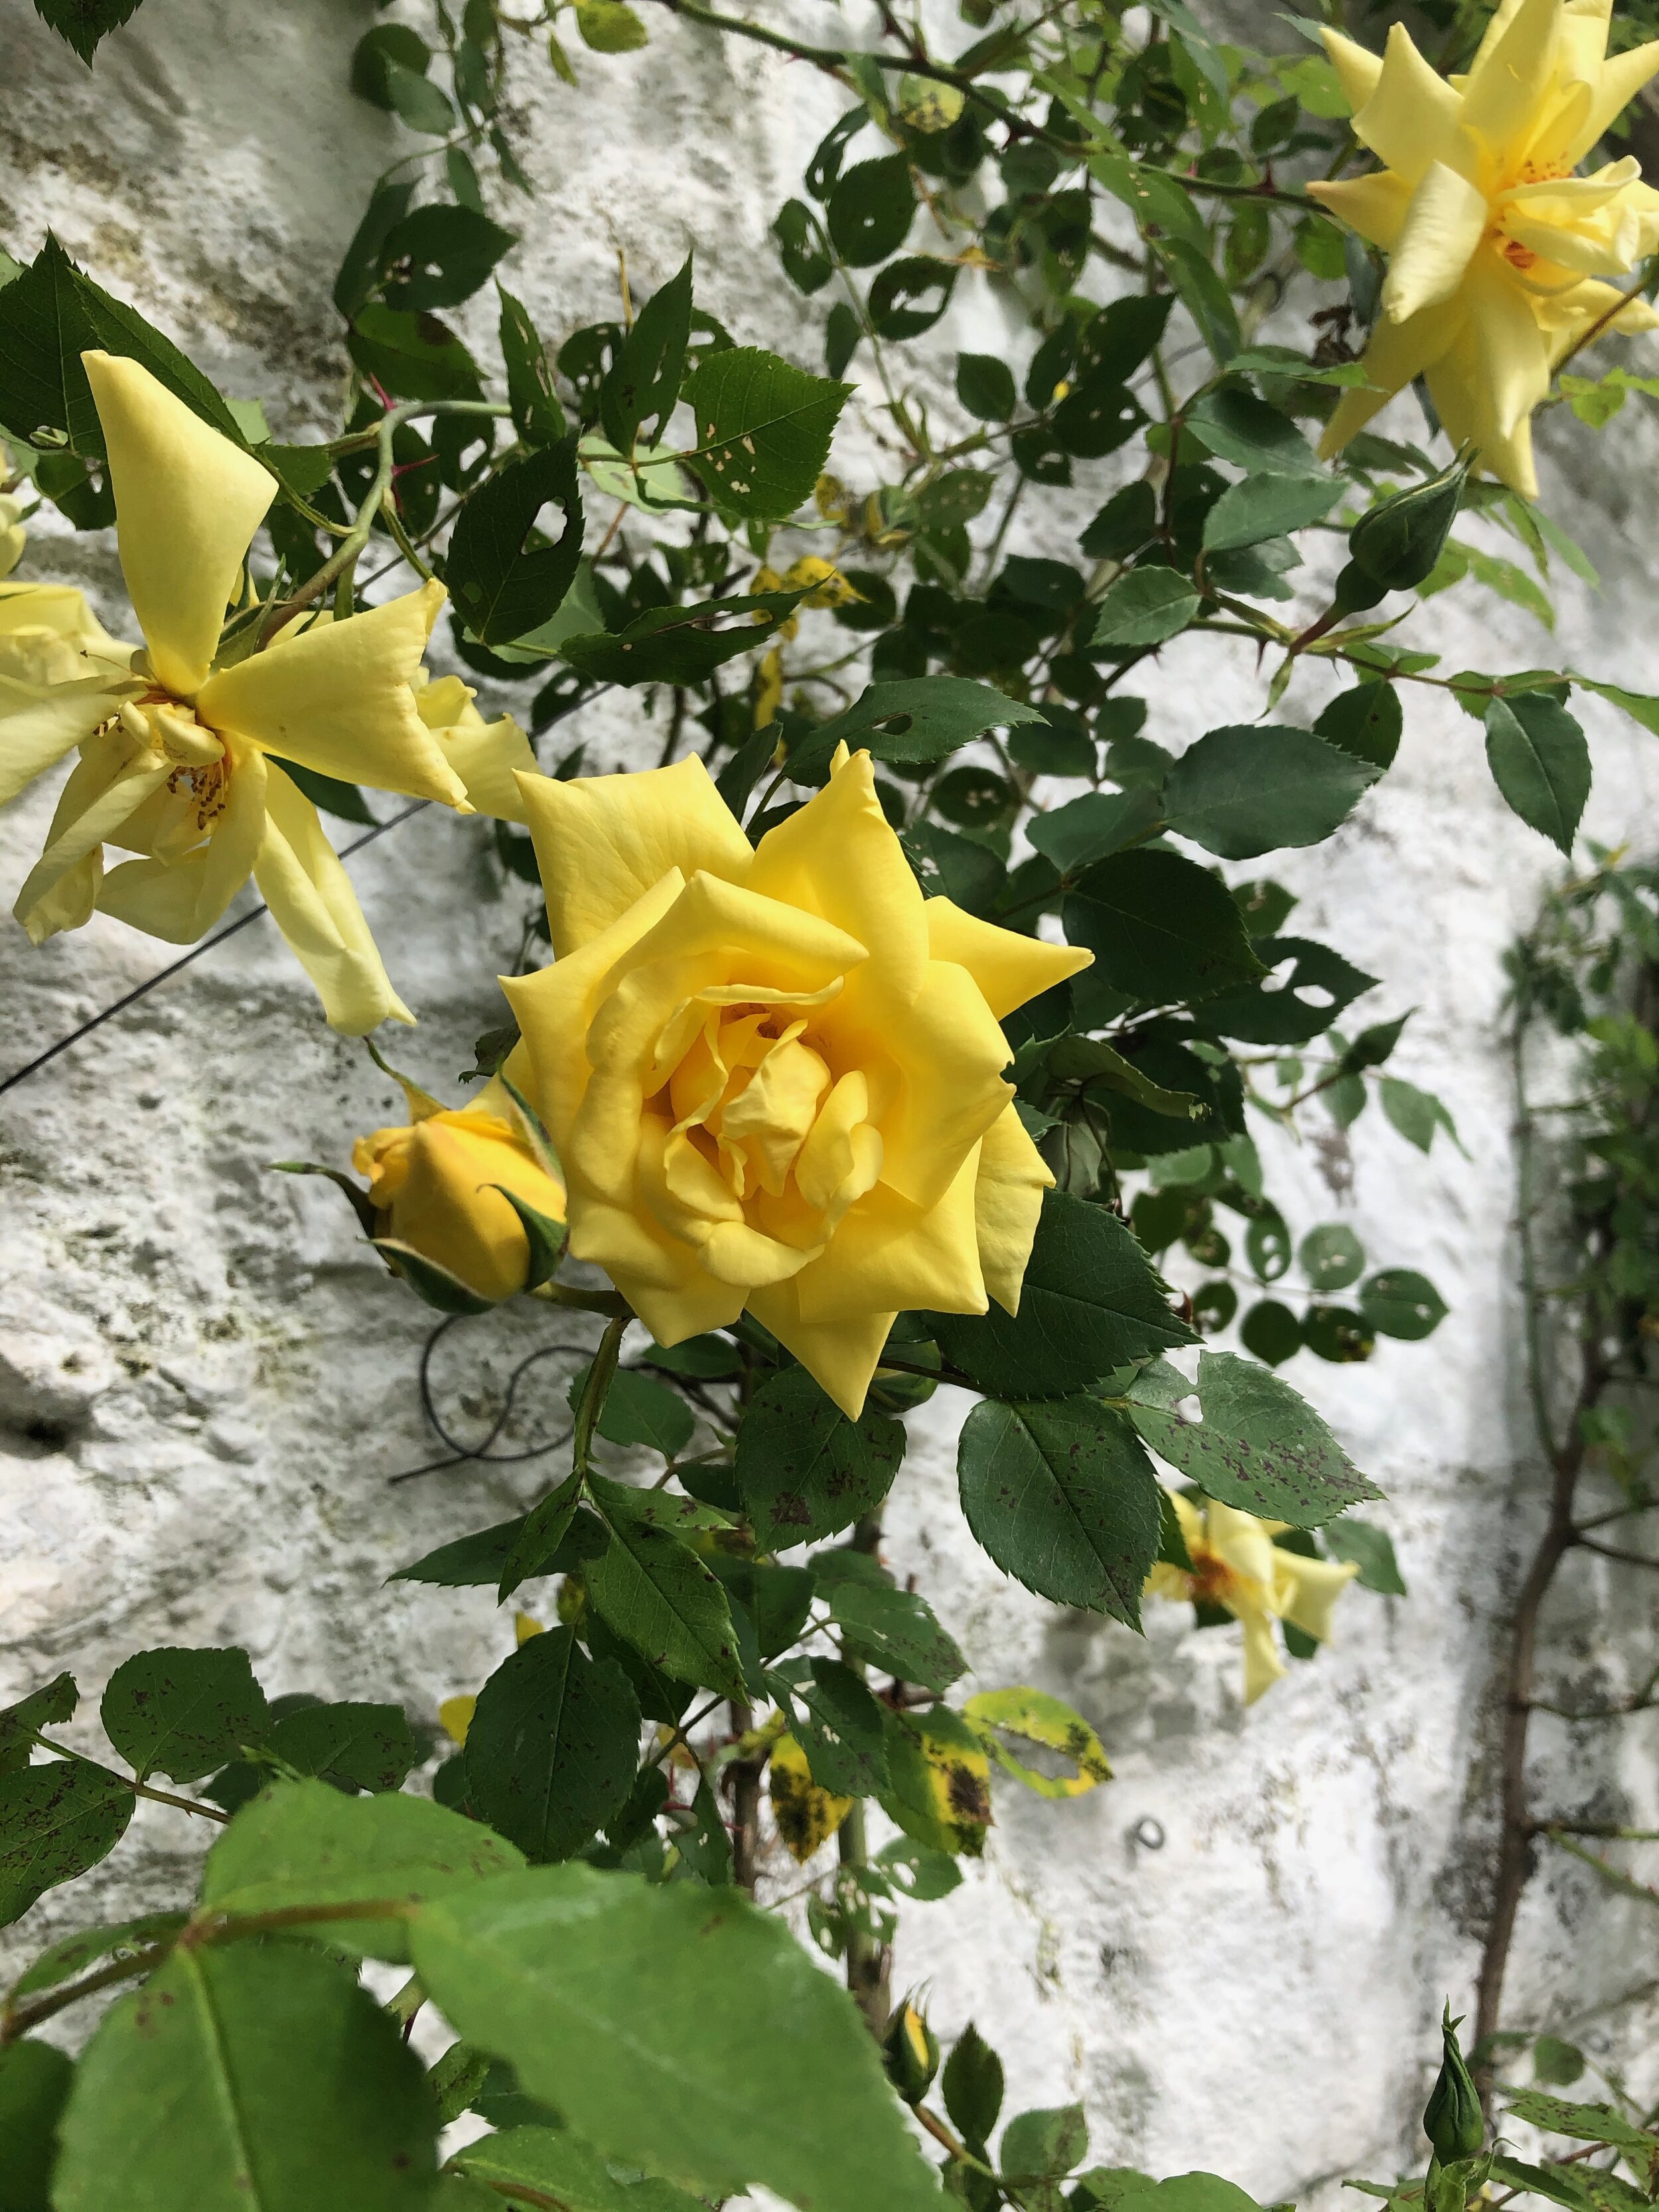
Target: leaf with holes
point(1260, 1447)
point(870, 210)
point(842, 1732)
point(184, 1713)
point(642, 384)
point(303, 1844)
point(911, 720)
point(1061, 1494)
point(1401, 1302)
point(537, 417)
point(681, 644)
point(255, 2074)
point(1286, 1009)
point(438, 256)
point(553, 1746)
point(804, 1469)
point(763, 430)
point(502, 585)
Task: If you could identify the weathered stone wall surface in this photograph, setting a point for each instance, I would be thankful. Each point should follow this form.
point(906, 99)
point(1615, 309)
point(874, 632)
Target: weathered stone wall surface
point(205, 1380)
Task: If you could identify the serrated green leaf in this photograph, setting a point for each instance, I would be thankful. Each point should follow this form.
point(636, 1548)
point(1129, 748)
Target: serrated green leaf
point(303, 1844)
point(184, 1713)
point(763, 430)
point(1062, 1496)
point(553, 1746)
point(685, 2033)
point(804, 1469)
point(1260, 1447)
point(248, 2077)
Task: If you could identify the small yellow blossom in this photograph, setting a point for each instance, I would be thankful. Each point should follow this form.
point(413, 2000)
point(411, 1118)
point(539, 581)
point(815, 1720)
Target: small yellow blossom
point(774, 1076)
point(768, 689)
point(430, 1182)
point(1235, 1563)
point(455, 1717)
point(181, 752)
point(1499, 253)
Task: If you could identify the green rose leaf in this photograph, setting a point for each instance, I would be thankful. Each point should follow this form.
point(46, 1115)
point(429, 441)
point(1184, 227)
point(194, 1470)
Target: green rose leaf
point(1161, 928)
point(1259, 1446)
point(34, 2086)
point(56, 1820)
point(1063, 1496)
point(1148, 606)
point(553, 1746)
point(184, 1713)
point(660, 1597)
point(1540, 763)
point(1090, 1303)
point(1254, 788)
point(302, 1842)
point(360, 1747)
point(763, 430)
point(804, 1469)
point(678, 2030)
point(897, 1630)
point(255, 2074)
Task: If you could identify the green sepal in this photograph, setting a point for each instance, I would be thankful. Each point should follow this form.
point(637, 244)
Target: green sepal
point(542, 1143)
point(545, 1236)
point(429, 1281)
point(367, 1213)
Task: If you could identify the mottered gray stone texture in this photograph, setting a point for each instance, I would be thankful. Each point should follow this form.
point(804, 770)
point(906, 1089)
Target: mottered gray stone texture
point(1234, 1953)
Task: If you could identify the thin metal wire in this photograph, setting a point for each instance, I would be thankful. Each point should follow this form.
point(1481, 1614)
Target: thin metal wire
point(463, 1454)
point(142, 990)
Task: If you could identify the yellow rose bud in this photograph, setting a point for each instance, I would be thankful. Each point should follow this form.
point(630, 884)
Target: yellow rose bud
point(430, 1182)
point(775, 1075)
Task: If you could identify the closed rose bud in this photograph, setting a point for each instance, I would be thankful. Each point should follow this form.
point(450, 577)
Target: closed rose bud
point(431, 1184)
point(1452, 2120)
point(909, 2051)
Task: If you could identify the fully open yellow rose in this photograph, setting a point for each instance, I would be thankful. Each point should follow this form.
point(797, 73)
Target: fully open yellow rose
point(774, 1076)
point(1497, 250)
point(1236, 1565)
point(180, 750)
point(431, 1181)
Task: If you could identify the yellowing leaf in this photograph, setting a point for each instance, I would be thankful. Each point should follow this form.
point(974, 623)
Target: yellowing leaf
point(807, 1816)
point(455, 1716)
point(940, 1792)
point(928, 107)
point(610, 27)
point(1034, 1717)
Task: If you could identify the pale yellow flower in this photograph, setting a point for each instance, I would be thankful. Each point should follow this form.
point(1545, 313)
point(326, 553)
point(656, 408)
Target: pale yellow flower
point(180, 751)
point(13, 536)
point(49, 635)
point(1499, 253)
point(774, 1076)
point(486, 755)
point(430, 1182)
point(1235, 1563)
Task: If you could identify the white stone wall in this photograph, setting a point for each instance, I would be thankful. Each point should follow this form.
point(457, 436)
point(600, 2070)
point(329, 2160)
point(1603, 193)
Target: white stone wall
point(206, 1380)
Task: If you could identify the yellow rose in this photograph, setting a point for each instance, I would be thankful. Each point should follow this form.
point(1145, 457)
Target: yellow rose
point(430, 1182)
point(1236, 1565)
point(1496, 248)
point(774, 1076)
